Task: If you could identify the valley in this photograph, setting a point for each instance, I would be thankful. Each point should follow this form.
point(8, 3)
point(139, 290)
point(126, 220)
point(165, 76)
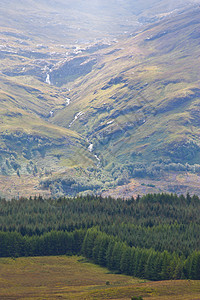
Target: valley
point(99, 149)
point(95, 115)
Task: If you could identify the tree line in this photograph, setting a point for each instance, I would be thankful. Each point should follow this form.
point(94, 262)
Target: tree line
point(108, 251)
point(104, 250)
point(156, 236)
point(13, 244)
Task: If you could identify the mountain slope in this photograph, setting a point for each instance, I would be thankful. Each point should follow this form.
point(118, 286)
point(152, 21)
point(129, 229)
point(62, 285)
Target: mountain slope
point(79, 114)
point(140, 103)
point(82, 20)
point(31, 146)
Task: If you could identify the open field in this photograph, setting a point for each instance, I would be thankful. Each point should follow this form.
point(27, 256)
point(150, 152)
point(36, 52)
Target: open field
point(73, 278)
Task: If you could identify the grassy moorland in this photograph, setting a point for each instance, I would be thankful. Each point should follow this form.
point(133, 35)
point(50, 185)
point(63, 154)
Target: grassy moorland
point(81, 116)
point(32, 148)
point(74, 278)
point(140, 102)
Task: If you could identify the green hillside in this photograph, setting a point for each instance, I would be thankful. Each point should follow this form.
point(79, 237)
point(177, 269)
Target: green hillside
point(30, 145)
point(139, 105)
point(32, 148)
point(99, 114)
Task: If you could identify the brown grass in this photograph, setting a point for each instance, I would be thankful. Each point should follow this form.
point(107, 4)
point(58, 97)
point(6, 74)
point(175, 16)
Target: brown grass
point(24, 186)
point(175, 182)
point(74, 278)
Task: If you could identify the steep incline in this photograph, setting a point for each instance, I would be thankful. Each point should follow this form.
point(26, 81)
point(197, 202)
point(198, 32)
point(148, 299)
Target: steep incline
point(80, 114)
point(140, 103)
